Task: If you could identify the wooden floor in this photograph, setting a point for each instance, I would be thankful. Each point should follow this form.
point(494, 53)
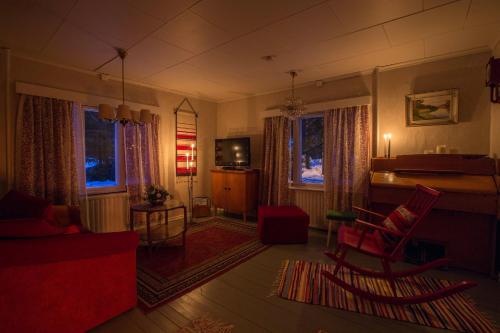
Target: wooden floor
point(241, 297)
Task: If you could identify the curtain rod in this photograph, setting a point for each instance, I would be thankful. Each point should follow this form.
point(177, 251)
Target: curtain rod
point(73, 95)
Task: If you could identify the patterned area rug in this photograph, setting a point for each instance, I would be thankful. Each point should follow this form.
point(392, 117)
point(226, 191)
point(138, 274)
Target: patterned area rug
point(302, 281)
point(212, 248)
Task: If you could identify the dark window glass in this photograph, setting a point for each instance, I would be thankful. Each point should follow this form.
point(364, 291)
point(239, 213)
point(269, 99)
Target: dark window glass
point(100, 156)
point(312, 150)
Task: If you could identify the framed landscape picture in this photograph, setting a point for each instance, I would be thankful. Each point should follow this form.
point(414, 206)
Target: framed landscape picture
point(433, 108)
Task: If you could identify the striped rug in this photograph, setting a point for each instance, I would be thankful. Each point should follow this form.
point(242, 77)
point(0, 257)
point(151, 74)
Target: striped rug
point(302, 281)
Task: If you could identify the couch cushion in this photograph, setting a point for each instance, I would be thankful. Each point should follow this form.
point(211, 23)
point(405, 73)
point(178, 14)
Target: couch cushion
point(401, 219)
point(17, 204)
point(72, 229)
point(28, 228)
point(66, 215)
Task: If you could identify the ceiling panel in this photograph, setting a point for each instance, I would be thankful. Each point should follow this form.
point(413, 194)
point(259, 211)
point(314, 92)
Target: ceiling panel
point(146, 58)
point(347, 46)
point(434, 21)
point(434, 3)
point(460, 40)
point(162, 9)
point(357, 14)
point(483, 12)
point(191, 32)
point(248, 66)
point(71, 46)
point(214, 48)
point(394, 55)
point(181, 74)
point(244, 16)
point(114, 21)
point(59, 7)
point(25, 26)
point(304, 29)
point(188, 78)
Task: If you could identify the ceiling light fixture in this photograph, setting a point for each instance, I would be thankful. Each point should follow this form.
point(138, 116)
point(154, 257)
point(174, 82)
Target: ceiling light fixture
point(123, 113)
point(293, 107)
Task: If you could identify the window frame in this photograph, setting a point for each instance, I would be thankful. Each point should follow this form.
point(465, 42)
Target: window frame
point(120, 172)
point(296, 181)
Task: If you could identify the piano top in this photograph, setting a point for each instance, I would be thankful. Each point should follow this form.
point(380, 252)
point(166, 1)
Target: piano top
point(461, 183)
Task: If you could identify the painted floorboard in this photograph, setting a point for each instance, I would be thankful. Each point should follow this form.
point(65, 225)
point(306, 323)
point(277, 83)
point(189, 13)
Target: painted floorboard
point(241, 297)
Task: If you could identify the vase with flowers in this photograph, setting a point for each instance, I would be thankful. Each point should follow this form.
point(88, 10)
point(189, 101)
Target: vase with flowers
point(156, 195)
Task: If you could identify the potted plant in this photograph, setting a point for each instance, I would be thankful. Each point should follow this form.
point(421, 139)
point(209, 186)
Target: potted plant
point(156, 195)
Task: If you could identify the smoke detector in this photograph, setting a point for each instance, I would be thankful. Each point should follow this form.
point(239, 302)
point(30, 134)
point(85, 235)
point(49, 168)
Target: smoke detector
point(269, 57)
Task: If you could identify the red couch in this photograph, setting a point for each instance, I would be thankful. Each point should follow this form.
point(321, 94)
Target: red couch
point(60, 278)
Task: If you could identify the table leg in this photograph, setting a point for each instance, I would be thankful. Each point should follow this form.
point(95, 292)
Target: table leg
point(166, 223)
point(244, 217)
point(185, 228)
point(148, 226)
point(329, 233)
point(131, 220)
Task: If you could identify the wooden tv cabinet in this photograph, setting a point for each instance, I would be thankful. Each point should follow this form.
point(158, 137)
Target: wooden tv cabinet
point(235, 191)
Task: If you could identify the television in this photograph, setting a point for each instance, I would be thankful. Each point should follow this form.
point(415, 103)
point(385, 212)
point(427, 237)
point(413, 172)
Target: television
point(232, 152)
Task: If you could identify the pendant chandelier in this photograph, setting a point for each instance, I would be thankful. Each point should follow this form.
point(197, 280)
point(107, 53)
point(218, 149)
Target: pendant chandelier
point(123, 113)
point(293, 107)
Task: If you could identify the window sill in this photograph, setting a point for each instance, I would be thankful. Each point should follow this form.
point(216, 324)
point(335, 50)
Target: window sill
point(105, 190)
point(307, 187)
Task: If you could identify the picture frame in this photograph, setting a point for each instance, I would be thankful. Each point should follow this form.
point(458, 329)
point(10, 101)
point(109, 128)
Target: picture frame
point(432, 108)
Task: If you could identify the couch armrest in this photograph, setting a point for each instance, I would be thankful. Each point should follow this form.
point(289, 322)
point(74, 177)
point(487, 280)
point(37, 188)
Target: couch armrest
point(16, 252)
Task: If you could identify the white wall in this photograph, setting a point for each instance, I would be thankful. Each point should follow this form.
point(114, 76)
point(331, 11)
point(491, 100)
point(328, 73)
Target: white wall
point(244, 117)
point(471, 135)
point(42, 74)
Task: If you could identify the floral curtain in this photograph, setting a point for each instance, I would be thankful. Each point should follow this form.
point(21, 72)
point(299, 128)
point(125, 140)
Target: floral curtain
point(45, 149)
point(276, 161)
point(142, 157)
point(346, 156)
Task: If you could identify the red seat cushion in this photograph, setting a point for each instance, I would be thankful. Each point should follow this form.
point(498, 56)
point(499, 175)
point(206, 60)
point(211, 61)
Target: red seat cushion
point(401, 219)
point(282, 224)
point(19, 205)
point(26, 228)
point(350, 237)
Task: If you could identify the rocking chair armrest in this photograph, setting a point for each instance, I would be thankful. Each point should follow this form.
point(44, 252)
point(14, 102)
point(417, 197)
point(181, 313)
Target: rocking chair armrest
point(378, 227)
point(359, 209)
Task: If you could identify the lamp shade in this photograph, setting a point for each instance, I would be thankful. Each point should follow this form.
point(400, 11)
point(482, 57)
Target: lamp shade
point(146, 116)
point(123, 113)
point(136, 116)
point(106, 112)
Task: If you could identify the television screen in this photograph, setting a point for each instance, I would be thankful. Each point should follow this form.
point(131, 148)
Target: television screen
point(232, 152)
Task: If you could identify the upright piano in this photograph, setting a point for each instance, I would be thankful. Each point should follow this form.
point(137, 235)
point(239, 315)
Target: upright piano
point(464, 220)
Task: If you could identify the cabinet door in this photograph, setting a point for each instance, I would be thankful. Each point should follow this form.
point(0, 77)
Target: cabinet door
point(236, 192)
point(219, 189)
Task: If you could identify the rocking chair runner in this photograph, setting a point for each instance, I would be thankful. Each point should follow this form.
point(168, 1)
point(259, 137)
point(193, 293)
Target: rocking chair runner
point(420, 204)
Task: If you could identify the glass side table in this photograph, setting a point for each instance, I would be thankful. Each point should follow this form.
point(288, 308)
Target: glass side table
point(160, 232)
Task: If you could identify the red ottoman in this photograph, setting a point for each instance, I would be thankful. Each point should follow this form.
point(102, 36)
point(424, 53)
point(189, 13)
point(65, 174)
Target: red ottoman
point(282, 224)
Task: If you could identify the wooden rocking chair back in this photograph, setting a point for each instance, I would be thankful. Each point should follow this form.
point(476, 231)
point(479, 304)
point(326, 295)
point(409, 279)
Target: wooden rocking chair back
point(420, 203)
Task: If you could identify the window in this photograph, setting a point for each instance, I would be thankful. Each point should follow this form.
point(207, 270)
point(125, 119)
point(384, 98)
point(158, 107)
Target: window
point(309, 150)
point(103, 172)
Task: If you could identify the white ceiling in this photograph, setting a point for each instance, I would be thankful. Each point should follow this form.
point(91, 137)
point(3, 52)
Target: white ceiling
point(213, 48)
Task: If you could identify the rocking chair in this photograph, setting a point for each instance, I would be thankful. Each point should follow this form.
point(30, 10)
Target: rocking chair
point(361, 239)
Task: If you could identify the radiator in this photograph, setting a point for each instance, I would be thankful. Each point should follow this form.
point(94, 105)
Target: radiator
point(106, 212)
point(312, 202)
